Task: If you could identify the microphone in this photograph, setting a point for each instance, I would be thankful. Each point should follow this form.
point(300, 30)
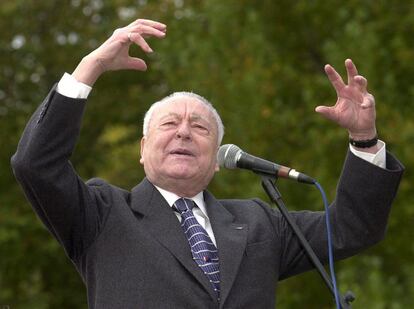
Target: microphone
point(231, 156)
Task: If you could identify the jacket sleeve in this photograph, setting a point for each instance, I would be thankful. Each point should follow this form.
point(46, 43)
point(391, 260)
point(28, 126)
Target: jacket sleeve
point(70, 209)
point(358, 216)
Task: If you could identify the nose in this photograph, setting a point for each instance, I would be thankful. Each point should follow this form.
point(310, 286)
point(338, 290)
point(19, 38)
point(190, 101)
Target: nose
point(184, 131)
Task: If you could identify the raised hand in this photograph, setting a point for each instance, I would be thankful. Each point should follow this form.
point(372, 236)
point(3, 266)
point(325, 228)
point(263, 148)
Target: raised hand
point(355, 107)
point(113, 54)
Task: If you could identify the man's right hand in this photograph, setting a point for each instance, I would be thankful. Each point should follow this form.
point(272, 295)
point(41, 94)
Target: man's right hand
point(113, 54)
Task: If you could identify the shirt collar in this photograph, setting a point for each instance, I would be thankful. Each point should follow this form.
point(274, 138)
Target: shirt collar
point(171, 198)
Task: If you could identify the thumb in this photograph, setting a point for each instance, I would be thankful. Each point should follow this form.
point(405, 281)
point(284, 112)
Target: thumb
point(327, 112)
point(136, 64)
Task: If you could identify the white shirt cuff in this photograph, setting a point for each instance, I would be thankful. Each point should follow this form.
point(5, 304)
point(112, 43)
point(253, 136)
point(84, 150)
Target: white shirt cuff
point(374, 158)
point(71, 88)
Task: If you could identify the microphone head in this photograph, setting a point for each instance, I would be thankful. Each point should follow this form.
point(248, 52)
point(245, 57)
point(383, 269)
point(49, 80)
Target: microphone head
point(228, 156)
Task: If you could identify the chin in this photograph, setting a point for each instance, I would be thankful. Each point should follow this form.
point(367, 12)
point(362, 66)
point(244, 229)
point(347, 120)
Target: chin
point(182, 174)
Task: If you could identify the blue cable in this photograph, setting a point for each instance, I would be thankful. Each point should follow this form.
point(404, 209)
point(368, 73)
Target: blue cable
point(330, 251)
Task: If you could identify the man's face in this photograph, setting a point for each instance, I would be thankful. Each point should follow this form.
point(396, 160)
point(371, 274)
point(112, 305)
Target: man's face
point(179, 151)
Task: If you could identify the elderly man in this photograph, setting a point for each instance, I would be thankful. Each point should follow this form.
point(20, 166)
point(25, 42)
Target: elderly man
point(169, 243)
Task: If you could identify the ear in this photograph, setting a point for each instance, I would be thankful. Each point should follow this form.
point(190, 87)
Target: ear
point(217, 166)
point(141, 160)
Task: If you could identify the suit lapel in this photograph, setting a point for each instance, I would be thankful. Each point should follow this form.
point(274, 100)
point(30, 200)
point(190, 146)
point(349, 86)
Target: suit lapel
point(163, 225)
point(231, 241)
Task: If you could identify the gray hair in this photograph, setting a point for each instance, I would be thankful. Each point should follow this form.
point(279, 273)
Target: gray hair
point(204, 101)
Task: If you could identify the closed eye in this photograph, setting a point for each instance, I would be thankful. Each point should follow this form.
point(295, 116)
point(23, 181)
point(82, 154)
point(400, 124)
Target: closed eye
point(201, 128)
point(169, 123)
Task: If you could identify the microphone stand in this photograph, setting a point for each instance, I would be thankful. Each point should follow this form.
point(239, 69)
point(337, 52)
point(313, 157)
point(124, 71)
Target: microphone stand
point(269, 185)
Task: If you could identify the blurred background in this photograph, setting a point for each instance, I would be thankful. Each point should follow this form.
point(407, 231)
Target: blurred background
point(261, 64)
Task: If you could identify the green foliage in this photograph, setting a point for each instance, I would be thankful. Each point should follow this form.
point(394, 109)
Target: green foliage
point(261, 64)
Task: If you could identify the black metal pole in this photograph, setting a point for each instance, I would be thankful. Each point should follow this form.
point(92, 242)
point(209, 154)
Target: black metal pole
point(268, 183)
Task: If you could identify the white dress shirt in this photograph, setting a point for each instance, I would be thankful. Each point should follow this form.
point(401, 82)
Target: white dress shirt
point(200, 212)
point(70, 87)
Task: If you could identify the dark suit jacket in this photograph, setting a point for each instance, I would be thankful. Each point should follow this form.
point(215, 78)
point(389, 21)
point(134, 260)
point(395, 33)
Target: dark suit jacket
point(129, 247)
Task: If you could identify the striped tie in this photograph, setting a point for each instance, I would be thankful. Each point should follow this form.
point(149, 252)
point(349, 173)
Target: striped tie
point(202, 248)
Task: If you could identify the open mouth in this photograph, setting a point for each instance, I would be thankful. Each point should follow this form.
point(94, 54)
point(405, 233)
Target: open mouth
point(182, 152)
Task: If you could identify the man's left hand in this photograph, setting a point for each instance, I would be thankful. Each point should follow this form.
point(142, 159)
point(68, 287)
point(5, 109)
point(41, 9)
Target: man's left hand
point(355, 107)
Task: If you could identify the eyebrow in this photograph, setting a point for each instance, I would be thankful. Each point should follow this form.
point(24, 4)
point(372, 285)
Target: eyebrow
point(193, 116)
point(169, 115)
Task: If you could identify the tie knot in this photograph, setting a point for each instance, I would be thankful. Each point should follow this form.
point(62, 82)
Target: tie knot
point(183, 205)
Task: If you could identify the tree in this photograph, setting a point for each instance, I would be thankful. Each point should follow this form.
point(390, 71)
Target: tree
point(261, 64)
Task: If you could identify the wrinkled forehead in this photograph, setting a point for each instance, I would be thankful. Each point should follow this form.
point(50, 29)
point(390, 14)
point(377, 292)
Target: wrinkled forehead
point(183, 107)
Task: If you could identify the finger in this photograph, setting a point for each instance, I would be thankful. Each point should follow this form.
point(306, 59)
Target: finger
point(351, 71)
point(327, 112)
point(139, 40)
point(335, 78)
point(136, 64)
point(361, 83)
point(368, 102)
point(151, 23)
point(147, 31)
